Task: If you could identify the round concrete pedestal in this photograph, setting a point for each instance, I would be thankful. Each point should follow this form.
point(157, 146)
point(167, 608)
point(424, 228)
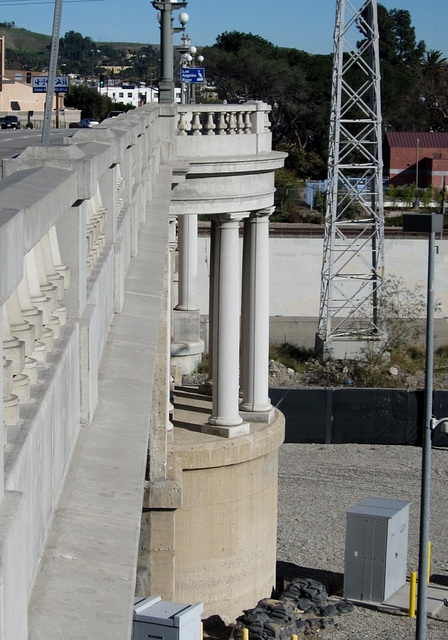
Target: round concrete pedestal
point(224, 534)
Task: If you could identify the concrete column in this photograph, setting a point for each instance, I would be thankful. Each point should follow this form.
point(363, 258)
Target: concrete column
point(214, 233)
point(255, 315)
point(172, 244)
point(187, 346)
point(188, 263)
point(225, 419)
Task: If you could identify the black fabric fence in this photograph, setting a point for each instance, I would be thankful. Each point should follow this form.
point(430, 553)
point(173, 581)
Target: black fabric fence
point(364, 416)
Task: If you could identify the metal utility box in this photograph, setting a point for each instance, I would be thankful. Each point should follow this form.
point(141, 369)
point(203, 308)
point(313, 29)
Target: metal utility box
point(159, 620)
point(376, 549)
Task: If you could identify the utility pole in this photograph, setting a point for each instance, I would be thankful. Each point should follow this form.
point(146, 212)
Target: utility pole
point(353, 256)
point(52, 71)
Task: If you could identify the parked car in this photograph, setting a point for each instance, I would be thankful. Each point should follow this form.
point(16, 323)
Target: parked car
point(87, 123)
point(114, 114)
point(11, 122)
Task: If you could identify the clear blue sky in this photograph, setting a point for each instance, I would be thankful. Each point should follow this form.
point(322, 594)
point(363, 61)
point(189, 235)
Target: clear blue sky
point(302, 24)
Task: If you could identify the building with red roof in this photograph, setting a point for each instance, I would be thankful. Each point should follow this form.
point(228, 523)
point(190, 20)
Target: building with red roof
point(414, 156)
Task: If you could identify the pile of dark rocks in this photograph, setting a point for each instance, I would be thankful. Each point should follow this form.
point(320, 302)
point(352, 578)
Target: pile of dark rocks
point(303, 609)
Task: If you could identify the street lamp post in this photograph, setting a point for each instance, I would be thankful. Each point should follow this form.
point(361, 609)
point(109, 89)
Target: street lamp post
point(417, 144)
point(185, 60)
point(166, 7)
point(432, 224)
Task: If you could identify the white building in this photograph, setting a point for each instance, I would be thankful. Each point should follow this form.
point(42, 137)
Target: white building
point(134, 95)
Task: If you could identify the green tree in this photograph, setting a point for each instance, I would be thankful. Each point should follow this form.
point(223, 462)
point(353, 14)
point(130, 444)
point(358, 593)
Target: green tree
point(434, 90)
point(408, 50)
point(91, 103)
point(79, 55)
point(296, 84)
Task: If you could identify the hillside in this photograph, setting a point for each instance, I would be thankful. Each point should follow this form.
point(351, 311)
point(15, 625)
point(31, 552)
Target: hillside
point(78, 54)
point(25, 41)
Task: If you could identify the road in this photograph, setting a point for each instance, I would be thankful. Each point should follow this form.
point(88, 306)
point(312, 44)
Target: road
point(13, 141)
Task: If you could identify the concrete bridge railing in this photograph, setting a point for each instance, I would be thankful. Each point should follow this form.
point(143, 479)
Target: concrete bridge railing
point(70, 218)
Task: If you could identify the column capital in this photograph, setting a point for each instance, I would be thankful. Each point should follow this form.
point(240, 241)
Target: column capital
point(232, 217)
point(262, 213)
point(172, 232)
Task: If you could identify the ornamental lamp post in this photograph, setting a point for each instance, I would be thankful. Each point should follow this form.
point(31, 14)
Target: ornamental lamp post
point(191, 60)
point(165, 17)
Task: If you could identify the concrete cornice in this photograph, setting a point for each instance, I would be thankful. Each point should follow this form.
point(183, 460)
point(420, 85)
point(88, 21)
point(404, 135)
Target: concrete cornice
point(219, 165)
point(203, 451)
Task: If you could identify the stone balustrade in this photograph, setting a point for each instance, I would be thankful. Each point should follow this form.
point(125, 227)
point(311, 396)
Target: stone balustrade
point(223, 120)
point(227, 129)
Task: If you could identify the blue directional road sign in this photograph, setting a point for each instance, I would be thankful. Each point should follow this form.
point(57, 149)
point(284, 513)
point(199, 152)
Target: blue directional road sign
point(192, 76)
point(40, 84)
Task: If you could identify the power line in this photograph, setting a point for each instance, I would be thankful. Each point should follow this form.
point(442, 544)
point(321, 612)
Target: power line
point(5, 3)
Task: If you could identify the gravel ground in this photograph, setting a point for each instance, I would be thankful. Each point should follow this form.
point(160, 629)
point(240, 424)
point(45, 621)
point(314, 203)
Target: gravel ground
point(317, 486)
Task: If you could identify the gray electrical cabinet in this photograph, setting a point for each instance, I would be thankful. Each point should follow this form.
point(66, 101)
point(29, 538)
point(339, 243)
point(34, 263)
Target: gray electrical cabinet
point(157, 619)
point(376, 549)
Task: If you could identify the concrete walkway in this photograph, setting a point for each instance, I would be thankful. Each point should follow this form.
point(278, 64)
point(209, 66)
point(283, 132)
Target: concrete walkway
point(85, 587)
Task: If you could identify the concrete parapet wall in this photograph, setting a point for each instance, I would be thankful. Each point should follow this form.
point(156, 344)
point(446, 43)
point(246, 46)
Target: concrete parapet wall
point(36, 463)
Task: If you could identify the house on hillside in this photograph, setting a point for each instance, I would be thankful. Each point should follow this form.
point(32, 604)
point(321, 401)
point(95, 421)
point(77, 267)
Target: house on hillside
point(416, 157)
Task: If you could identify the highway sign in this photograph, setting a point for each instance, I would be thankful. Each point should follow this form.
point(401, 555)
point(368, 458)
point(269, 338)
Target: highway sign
point(193, 76)
point(40, 84)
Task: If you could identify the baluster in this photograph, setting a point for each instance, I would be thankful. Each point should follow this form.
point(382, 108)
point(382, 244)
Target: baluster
point(10, 400)
point(182, 124)
point(59, 266)
point(52, 290)
point(267, 122)
point(240, 123)
point(54, 277)
point(196, 126)
point(39, 300)
point(14, 350)
point(210, 126)
point(232, 123)
point(222, 124)
point(247, 122)
point(19, 327)
point(25, 331)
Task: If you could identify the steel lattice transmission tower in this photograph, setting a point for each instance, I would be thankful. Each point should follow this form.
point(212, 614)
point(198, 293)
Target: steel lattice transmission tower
point(353, 257)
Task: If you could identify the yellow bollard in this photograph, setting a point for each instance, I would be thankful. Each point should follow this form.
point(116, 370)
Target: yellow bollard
point(245, 634)
point(429, 559)
point(293, 637)
point(412, 592)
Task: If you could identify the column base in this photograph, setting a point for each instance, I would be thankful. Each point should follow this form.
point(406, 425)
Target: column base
point(186, 355)
point(207, 388)
point(264, 416)
point(223, 431)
